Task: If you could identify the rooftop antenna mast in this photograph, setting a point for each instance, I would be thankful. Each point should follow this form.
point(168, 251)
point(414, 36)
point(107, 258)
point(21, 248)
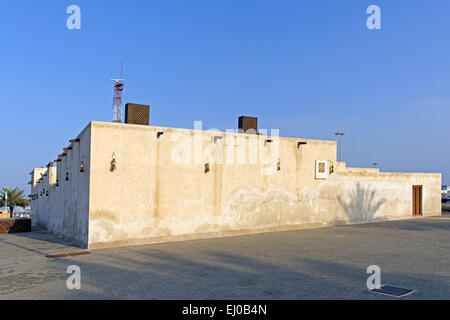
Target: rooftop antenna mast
point(117, 99)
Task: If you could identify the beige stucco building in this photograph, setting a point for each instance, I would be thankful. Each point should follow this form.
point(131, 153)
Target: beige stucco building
point(121, 184)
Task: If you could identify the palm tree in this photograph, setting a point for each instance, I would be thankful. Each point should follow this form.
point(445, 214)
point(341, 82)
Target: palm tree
point(15, 199)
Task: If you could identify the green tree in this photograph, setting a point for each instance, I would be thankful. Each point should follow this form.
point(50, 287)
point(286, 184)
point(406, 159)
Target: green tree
point(15, 199)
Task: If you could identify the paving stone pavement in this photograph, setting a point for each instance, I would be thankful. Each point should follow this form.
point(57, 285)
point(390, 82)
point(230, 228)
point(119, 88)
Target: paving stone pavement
point(323, 263)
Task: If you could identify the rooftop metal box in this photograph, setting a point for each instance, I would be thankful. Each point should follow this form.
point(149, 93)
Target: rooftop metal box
point(137, 114)
point(248, 123)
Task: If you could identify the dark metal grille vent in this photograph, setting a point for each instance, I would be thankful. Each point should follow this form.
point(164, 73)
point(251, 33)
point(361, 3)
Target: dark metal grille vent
point(137, 114)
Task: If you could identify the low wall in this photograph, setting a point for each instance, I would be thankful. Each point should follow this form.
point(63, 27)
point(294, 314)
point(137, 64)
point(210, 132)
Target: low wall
point(121, 184)
point(15, 225)
point(148, 198)
point(346, 200)
point(60, 202)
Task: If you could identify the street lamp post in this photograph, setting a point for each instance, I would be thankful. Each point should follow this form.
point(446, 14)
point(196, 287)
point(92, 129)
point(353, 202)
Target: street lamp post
point(340, 134)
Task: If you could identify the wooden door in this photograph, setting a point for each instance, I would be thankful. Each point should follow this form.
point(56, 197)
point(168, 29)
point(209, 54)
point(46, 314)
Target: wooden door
point(417, 200)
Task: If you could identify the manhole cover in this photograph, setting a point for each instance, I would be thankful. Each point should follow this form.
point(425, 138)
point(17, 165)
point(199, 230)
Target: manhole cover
point(393, 291)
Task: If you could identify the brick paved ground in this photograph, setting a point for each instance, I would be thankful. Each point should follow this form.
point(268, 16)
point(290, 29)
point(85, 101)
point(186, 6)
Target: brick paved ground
point(324, 263)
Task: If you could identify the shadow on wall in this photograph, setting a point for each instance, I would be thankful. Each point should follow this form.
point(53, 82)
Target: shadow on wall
point(362, 205)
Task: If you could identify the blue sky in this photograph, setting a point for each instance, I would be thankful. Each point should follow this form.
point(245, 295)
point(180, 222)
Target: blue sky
point(308, 68)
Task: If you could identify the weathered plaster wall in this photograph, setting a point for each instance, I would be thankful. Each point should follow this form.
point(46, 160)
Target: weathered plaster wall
point(365, 195)
point(65, 210)
point(149, 198)
point(39, 216)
